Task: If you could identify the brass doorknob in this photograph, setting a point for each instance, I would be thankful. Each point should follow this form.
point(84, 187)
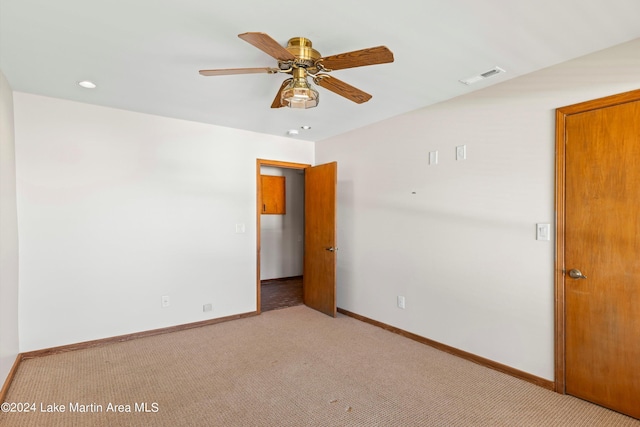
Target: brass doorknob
point(576, 274)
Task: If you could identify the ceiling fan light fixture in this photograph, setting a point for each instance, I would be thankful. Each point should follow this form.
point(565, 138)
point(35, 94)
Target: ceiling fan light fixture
point(301, 98)
point(299, 93)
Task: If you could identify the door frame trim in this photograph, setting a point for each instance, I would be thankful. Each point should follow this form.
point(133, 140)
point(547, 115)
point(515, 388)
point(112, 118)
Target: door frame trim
point(271, 163)
point(559, 270)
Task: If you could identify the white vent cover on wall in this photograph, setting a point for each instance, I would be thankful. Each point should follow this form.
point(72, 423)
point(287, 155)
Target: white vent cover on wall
point(490, 73)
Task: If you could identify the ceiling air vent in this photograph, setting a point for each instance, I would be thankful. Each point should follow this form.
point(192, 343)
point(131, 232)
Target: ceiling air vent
point(492, 72)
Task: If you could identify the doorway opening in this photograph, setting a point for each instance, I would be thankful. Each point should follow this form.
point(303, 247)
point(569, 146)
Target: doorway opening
point(280, 235)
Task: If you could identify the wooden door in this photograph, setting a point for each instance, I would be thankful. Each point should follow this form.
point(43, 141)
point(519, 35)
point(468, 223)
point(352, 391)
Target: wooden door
point(602, 241)
point(319, 278)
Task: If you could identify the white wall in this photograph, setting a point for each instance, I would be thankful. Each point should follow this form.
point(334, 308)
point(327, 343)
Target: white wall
point(462, 250)
point(9, 346)
point(117, 209)
point(282, 236)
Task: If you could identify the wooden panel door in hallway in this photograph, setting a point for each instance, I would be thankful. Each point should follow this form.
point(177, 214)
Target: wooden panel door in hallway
point(602, 253)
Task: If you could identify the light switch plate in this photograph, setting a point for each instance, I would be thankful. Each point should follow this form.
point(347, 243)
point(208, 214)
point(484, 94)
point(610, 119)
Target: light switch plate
point(433, 157)
point(543, 231)
point(461, 152)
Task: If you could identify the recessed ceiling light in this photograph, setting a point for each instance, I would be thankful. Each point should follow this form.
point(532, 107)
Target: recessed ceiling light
point(87, 84)
point(292, 132)
point(305, 127)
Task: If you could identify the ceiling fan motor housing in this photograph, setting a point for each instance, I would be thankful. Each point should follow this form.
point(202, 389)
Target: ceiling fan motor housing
point(301, 48)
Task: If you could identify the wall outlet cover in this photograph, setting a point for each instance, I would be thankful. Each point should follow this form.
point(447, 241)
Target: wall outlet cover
point(401, 302)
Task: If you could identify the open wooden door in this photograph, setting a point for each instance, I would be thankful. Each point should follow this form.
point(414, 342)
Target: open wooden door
point(320, 238)
point(599, 267)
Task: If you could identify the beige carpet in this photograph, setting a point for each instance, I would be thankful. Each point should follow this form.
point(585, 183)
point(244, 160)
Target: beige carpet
point(289, 367)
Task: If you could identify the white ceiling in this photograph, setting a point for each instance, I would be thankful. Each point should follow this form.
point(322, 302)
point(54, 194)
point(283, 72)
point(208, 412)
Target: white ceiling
point(145, 54)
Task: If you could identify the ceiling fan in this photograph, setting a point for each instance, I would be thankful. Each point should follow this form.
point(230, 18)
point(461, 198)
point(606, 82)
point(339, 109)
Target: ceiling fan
point(301, 61)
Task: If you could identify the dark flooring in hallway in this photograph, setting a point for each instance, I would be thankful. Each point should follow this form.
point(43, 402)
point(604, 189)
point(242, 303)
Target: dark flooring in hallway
point(280, 293)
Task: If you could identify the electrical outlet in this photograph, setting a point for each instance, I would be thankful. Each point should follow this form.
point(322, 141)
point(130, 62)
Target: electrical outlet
point(165, 301)
point(401, 302)
point(207, 307)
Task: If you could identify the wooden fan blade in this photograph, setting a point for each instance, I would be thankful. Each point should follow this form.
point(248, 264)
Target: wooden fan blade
point(268, 45)
point(277, 101)
point(230, 71)
point(342, 88)
point(357, 58)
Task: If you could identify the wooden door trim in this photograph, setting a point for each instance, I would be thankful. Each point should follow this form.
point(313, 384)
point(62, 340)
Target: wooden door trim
point(559, 283)
point(271, 163)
